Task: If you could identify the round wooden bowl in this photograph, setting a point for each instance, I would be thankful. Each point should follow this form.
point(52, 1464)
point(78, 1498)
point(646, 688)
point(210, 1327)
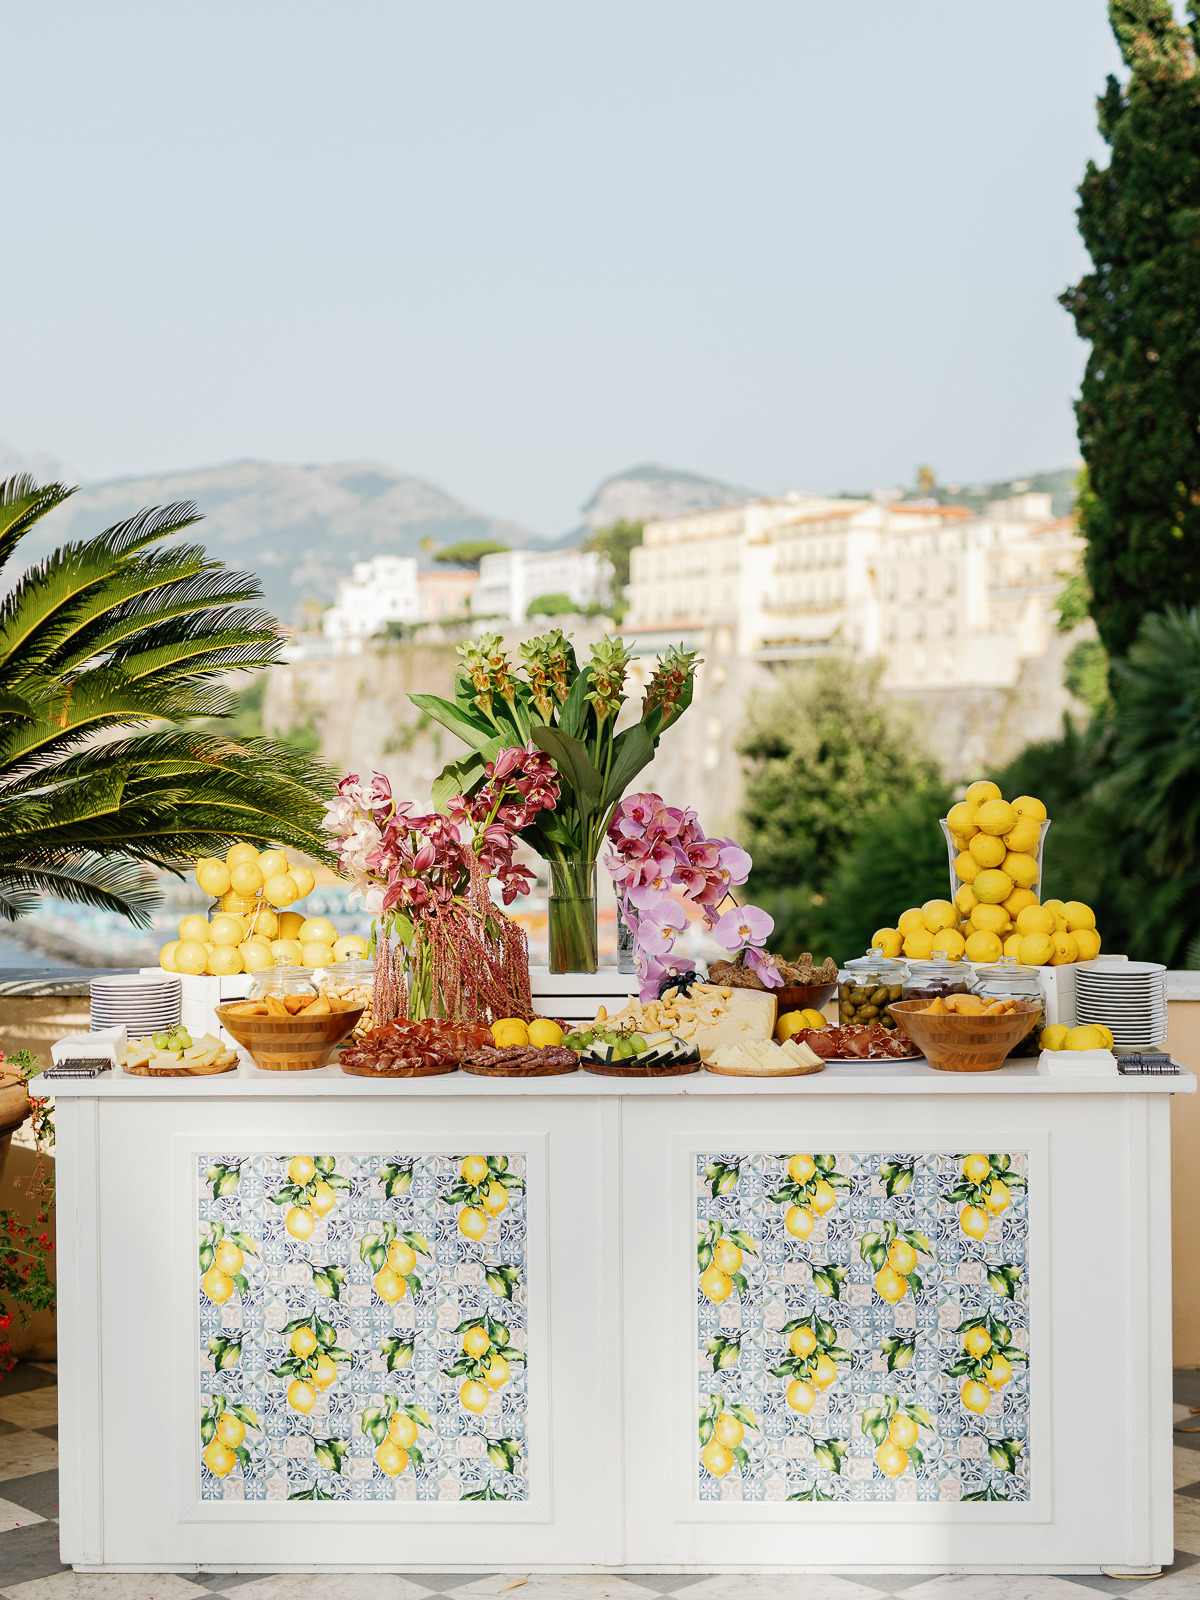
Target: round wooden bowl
point(803, 996)
point(964, 1044)
point(289, 1044)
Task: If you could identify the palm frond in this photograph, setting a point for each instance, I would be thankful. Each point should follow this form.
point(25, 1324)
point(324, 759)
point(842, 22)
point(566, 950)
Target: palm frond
point(22, 503)
point(110, 883)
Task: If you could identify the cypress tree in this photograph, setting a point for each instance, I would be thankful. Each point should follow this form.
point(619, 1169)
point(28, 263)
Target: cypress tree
point(1139, 407)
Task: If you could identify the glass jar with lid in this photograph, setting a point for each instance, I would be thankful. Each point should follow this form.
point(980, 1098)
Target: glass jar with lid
point(1007, 980)
point(867, 986)
point(283, 981)
point(353, 980)
point(933, 978)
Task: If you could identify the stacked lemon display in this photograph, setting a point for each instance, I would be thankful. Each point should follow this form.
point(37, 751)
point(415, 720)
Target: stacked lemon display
point(253, 929)
point(996, 910)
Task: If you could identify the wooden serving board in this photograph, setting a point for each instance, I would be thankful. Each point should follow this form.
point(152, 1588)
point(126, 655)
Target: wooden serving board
point(783, 1072)
point(402, 1072)
point(629, 1069)
point(177, 1072)
point(505, 1069)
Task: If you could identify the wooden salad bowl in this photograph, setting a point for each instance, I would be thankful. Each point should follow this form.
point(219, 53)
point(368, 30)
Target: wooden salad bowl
point(803, 996)
point(290, 1044)
point(964, 1044)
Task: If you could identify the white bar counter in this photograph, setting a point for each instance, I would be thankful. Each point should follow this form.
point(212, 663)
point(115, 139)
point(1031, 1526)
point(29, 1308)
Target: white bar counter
point(643, 1257)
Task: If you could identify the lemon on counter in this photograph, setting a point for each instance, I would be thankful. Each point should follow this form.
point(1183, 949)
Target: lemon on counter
point(938, 914)
point(194, 927)
point(983, 791)
point(1028, 808)
point(1088, 941)
point(991, 919)
point(350, 947)
point(950, 944)
point(543, 1033)
point(303, 879)
point(256, 955)
point(1085, 1038)
point(1022, 869)
point(1078, 916)
point(993, 886)
point(212, 875)
point(246, 879)
point(1035, 949)
point(1012, 946)
point(789, 1023)
point(285, 952)
point(918, 946)
point(983, 946)
point(1035, 919)
point(166, 956)
point(966, 868)
point(316, 953)
point(1052, 1036)
point(1066, 950)
point(1018, 900)
point(272, 861)
point(911, 921)
point(509, 1031)
point(226, 929)
point(888, 941)
point(190, 956)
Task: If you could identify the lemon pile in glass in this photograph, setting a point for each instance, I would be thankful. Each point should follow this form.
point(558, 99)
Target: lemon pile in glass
point(253, 928)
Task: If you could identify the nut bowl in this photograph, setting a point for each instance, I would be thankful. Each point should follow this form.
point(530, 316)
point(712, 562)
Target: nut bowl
point(803, 996)
point(964, 1044)
point(292, 1043)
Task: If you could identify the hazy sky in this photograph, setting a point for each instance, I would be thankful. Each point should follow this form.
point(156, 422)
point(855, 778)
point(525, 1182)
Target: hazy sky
point(518, 247)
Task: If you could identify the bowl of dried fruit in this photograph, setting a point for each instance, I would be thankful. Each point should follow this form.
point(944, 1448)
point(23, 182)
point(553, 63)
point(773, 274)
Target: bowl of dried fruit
point(964, 1033)
point(290, 1032)
point(806, 986)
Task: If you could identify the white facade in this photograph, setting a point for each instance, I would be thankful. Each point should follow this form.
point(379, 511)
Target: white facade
point(510, 579)
point(380, 591)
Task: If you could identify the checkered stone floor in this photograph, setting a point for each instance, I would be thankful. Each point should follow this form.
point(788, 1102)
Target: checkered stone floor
point(30, 1568)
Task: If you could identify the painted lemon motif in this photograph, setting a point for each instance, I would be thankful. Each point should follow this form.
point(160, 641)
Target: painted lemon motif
point(974, 1222)
point(902, 1430)
point(717, 1457)
point(401, 1257)
point(717, 1285)
point(403, 1431)
point(976, 1168)
point(300, 1223)
point(229, 1258)
point(977, 1342)
point(323, 1198)
point(996, 1197)
point(823, 1198)
point(301, 1396)
point(218, 1457)
point(728, 1429)
point(976, 1396)
point(474, 1395)
point(301, 1170)
point(476, 1342)
point(825, 1371)
point(799, 1221)
point(891, 1459)
point(801, 1169)
point(890, 1285)
point(474, 1170)
point(803, 1342)
point(390, 1286)
point(496, 1371)
point(231, 1430)
point(727, 1256)
point(801, 1396)
point(326, 1372)
point(902, 1256)
point(472, 1222)
point(495, 1198)
point(998, 1370)
point(391, 1458)
point(217, 1285)
point(303, 1343)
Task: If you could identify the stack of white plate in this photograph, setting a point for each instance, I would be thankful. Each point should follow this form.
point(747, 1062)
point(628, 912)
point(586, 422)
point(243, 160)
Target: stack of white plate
point(143, 1003)
point(1129, 996)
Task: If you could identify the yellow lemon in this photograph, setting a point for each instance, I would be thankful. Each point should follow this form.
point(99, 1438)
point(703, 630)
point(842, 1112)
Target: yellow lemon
point(728, 1429)
point(323, 1198)
point(301, 1170)
point(350, 947)
point(194, 929)
point(1088, 942)
point(256, 955)
point(902, 1430)
point(1012, 947)
point(246, 879)
point(998, 1370)
point(803, 1341)
point(824, 1372)
point(1035, 950)
point(976, 1168)
point(281, 889)
point(474, 1395)
point(727, 1256)
point(1017, 902)
point(218, 1457)
point(238, 853)
point(961, 819)
point(217, 1285)
point(976, 1396)
point(966, 868)
point(939, 914)
point(225, 929)
point(390, 1286)
point(888, 941)
point(717, 1457)
point(1051, 1037)
point(813, 1019)
point(316, 954)
point(977, 1343)
point(966, 899)
point(890, 1458)
point(902, 1256)
point(996, 1197)
point(300, 1222)
point(223, 961)
point(303, 879)
point(996, 817)
point(237, 905)
point(495, 1198)
point(301, 1396)
point(303, 1342)
point(717, 1285)
point(166, 956)
point(476, 1343)
point(191, 957)
point(801, 1168)
point(788, 1024)
point(285, 952)
point(472, 1223)
point(1078, 916)
point(949, 943)
point(213, 876)
point(475, 1168)
point(1066, 949)
point(993, 887)
point(1056, 906)
point(986, 851)
point(990, 919)
point(509, 1031)
point(911, 921)
point(319, 929)
point(1022, 869)
point(974, 1222)
point(272, 861)
point(1109, 1041)
point(1028, 808)
point(229, 1258)
point(288, 924)
point(799, 1221)
point(919, 946)
point(401, 1257)
point(390, 1458)
point(1084, 1038)
point(231, 1430)
point(544, 1034)
point(823, 1197)
point(983, 791)
point(403, 1430)
point(801, 1396)
point(326, 1372)
point(890, 1285)
point(984, 946)
point(1025, 837)
point(496, 1373)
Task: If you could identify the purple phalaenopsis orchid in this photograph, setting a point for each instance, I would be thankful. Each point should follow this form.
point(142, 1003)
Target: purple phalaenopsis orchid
point(655, 849)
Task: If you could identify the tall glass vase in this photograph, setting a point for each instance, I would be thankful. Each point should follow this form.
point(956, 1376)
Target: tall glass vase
point(573, 939)
point(625, 961)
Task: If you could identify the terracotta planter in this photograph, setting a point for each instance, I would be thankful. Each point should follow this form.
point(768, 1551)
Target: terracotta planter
point(14, 1108)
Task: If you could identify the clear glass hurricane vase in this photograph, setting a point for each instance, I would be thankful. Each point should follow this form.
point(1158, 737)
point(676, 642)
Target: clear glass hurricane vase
point(574, 943)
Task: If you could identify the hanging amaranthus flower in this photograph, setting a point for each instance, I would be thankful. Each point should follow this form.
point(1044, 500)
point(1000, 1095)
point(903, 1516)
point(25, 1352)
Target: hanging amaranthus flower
point(610, 660)
point(672, 676)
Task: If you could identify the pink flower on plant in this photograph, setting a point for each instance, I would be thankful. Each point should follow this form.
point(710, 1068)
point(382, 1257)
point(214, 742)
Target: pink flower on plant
point(741, 926)
point(760, 962)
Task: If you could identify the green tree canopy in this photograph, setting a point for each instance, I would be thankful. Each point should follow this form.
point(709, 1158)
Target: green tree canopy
point(617, 542)
point(551, 605)
point(468, 554)
point(1139, 408)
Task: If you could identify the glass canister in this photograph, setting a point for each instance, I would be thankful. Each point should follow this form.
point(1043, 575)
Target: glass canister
point(933, 978)
point(867, 986)
point(354, 981)
point(1009, 981)
point(284, 983)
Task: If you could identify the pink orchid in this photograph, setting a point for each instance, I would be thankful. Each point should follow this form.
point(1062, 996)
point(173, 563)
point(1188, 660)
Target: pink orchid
point(741, 926)
point(766, 969)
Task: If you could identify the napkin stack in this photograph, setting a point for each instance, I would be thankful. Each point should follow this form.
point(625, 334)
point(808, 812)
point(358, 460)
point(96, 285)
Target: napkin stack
point(1078, 1063)
point(87, 1055)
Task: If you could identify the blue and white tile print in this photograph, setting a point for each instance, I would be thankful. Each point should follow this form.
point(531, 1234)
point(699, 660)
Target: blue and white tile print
point(863, 1327)
point(362, 1327)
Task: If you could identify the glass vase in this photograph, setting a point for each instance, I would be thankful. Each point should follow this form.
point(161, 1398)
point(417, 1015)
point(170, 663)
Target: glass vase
point(572, 914)
point(625, 962)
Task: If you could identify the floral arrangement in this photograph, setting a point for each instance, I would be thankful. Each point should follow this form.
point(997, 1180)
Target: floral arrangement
point(425, 878)
point(25, 1247)
point(655, 848)
point(570, 712)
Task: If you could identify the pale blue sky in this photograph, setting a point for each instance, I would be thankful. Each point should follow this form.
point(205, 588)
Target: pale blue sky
point(518, 247)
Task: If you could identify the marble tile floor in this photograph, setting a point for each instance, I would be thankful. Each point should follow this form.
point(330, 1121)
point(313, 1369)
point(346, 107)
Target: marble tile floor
point(30, 1568)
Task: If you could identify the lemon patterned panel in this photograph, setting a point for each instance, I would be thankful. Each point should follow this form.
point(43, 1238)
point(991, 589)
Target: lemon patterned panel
point(362, 1327)
point(863, 1326)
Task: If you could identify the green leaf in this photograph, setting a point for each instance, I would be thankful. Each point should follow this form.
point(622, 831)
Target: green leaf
point(374, 1423)
point(398, 1353)
point(571, 758)
point(245, 1243)
point(744, 1414)
point(632, 750)
point(743, 1241)
point(919, 1241)
point(919, 1414)
point(916, 1456)
point(471, 727)
point(461, 777)
point(245, 1414)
